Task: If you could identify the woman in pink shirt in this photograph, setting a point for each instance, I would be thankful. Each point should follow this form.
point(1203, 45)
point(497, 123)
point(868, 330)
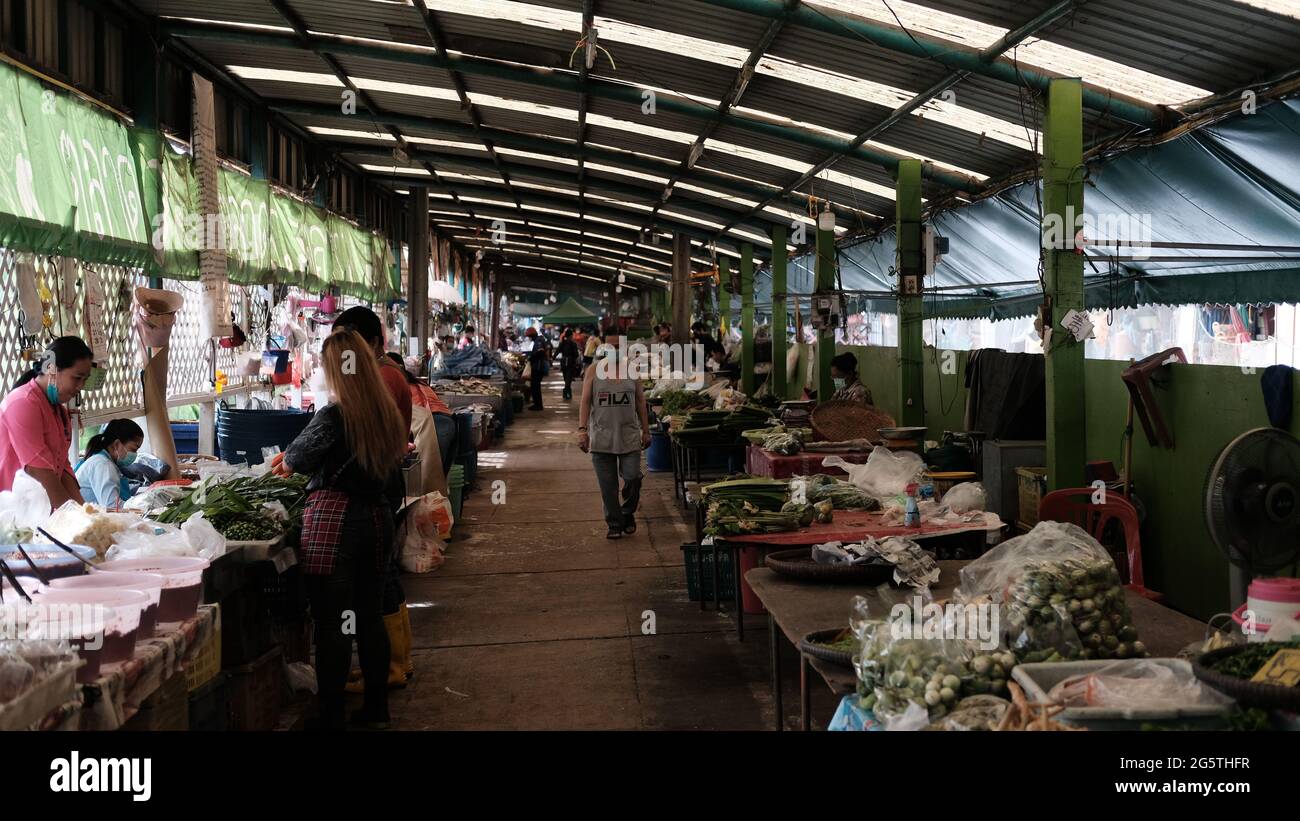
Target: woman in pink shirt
point(35, 427)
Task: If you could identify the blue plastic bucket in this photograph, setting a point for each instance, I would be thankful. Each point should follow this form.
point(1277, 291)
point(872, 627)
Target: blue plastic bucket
point(659, 457)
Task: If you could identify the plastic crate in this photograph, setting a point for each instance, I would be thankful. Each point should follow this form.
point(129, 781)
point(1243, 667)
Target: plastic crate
point(294, 638)
point(726, 575)
point(245, 627)
point(210, 705)
point(254, 692)
point(204, 663)
point(1033, 484)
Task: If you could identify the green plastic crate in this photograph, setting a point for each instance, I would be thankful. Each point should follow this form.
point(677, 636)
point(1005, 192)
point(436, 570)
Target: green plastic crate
point(726, 576)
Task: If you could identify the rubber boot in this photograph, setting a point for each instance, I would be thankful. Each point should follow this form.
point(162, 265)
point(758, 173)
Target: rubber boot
point(399, 642)
point(410, 641)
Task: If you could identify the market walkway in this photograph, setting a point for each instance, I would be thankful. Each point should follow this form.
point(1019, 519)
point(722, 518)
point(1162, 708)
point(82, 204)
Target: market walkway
point(535, 620)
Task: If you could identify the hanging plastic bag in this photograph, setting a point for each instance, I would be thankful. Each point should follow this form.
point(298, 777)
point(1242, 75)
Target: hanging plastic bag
point(22, 509)
point(424, 528)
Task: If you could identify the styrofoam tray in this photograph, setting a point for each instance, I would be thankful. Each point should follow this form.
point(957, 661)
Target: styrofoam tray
point(1038, 679)
point(55, 690)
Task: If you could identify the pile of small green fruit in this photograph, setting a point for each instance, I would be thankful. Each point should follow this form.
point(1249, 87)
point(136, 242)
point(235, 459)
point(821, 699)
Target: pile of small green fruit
point(1051, 597)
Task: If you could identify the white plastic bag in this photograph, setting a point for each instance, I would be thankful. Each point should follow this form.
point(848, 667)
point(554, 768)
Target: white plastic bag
point(427, 523)
point(301, 677)
point(965, 497)
point(25, 507)
point(87, 524)
point(885, 475)
point(203, 538)
point(145, 540)
point(1137, 684)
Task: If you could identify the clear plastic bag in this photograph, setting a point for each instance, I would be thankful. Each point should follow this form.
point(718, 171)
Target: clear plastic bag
point(301, 677)
point(1048, 543)
point(156, 497)
point(420, 538)
point(885, 475)
point(87, 524)
point(1138, 684)
point(16, 676)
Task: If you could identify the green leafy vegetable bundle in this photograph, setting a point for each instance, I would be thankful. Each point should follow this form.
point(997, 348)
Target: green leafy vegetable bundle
point(238, 496)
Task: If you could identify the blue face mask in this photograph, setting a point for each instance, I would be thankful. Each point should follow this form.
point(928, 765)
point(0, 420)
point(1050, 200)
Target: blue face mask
point(52, 392)
point(128, 459)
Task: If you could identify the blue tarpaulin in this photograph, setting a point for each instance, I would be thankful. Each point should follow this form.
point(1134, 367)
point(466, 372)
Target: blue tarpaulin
point(1236, 182)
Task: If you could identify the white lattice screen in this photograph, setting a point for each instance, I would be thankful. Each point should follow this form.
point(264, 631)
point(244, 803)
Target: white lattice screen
point(189, 365)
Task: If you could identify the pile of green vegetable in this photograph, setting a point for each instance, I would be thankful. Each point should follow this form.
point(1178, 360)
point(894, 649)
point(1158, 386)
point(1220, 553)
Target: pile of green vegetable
point(735, 517)
point(1245, 663)
point(234, 506)
point(681, 401)
point(1071, 609)
point(843, 495)
point(930, 672)
point(786, 444)
point(720, 426)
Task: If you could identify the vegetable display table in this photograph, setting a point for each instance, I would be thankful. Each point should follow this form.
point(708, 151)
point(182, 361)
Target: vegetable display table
point(848, 526)
point(760, 462)
point(795, 609)
point(116, 695)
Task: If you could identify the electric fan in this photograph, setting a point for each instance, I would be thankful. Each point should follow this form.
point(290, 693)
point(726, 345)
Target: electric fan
point(1252, 504)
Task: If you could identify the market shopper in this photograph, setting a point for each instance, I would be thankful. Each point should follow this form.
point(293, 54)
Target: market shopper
point(35, 426)
point(538, 357)
point(396, 618)
point(614, 427)
point(844, 373)
point(352, 449)
point(100, 474)
point(426, 397)
point(589, 351)
point(570, 357)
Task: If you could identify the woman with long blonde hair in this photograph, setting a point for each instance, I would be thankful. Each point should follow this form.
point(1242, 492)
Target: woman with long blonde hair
point(352, 448)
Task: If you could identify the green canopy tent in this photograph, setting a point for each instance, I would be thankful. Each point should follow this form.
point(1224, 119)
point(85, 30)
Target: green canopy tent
point(570, 312)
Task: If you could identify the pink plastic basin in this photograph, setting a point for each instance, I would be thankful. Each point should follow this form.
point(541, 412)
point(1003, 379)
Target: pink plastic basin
point(100, 623)
point(182, 582)
point(149, 583)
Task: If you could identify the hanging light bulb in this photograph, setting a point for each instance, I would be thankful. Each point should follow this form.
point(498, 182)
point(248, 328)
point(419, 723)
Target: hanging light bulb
point(618, 289)
point(622, 277)
point(826, 220)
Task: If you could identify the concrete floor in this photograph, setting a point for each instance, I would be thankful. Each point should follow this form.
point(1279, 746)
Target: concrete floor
point(535, 620)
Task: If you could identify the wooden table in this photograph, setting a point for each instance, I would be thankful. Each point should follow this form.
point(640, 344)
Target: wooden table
point(847, 526)
point(796, 608)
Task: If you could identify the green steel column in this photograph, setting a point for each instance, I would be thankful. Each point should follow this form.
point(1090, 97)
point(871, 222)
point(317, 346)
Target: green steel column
point(825, 337)
point(911, 268)
point(779, 316)
point(1063, 181)
point(724, 293)
point(747, 319)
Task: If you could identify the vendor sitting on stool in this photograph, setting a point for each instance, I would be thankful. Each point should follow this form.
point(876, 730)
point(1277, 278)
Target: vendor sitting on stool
point(844, 372)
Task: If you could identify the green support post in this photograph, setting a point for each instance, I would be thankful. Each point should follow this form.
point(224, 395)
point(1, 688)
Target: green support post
point(779, 315)
point(826, 263)
point(724, 293)
point(911, 269)
point(747, 319)
point(1063, 182)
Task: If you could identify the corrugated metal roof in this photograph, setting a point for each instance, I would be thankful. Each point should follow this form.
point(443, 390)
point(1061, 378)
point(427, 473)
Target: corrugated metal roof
point(834, 81)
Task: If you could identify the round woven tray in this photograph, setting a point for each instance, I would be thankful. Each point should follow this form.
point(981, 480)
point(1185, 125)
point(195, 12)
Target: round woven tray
point(839, 420)
point(809, 646)
point(1246, 692)
point(799, 564)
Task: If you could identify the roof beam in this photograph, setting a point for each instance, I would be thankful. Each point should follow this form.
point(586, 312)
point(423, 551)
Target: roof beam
point(1008, 41)
point(588, 31)
point(954, 56)
point(551, 78)
point(304, 38)
point(645, 191)
point(552, 145)
point(732, 98)
point(437, 38)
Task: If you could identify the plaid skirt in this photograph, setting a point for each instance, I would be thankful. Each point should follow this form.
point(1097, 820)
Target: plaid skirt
point(323, 520)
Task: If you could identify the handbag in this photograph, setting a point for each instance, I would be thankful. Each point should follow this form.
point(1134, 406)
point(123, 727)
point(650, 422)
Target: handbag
point(528, 371)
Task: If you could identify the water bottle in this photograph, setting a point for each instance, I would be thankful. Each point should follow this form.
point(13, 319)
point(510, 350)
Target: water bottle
point(911, 514)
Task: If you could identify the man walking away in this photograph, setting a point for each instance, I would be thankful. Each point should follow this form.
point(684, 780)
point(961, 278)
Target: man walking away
point(537, 359)
point(570, 358)
point(614, 427)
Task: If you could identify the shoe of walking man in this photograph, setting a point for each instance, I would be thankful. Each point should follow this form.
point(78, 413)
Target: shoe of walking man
point(614, 427)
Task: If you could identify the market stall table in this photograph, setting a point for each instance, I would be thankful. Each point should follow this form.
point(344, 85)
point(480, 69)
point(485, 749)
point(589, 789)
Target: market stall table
point(848, 526)
point(116, 695)
point(796, 608)
point(762, 462)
